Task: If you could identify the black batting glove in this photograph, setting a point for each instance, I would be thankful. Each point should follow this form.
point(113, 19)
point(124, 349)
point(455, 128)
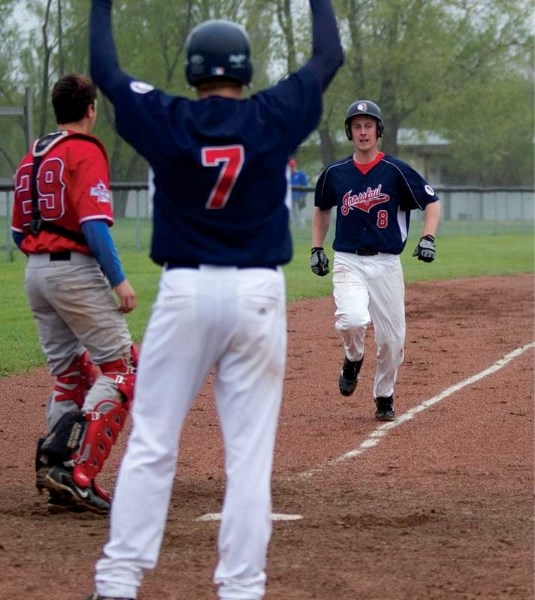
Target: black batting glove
point(319, 263)
point(426, 249)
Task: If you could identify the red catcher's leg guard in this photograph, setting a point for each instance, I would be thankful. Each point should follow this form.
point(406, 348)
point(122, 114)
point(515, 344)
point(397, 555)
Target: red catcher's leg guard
point(123, 373)
point(102, 431)
point(74, 383)
point(101, 492)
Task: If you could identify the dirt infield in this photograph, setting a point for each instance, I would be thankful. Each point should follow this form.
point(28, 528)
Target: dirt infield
point(439, 506)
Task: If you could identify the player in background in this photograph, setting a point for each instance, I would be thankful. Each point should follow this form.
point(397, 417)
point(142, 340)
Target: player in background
point(373, 194)
point(220, 232)
point(61, 218)
point(298, 178)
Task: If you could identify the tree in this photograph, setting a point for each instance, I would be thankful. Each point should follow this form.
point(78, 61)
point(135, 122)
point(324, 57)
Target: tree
point(423, 61)
point(463, 69)
point(489, 117)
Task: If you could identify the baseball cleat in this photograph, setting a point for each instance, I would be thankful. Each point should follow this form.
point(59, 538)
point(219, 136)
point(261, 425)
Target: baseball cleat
point(61, 503)
point(385, 409)
point(347, 382)
point(41, 468)
point(60, 480)
point(40, 478)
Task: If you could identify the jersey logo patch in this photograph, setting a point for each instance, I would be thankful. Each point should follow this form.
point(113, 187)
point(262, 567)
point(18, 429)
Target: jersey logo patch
point(140, 87)
point(101, 192)
point(364, 201)
point(429, 190)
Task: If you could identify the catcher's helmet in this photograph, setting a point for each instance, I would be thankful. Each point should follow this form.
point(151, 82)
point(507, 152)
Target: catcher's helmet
point(364, 107)
point(218, 49)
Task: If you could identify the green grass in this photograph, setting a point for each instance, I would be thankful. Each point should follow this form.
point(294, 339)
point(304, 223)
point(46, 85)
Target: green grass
point(457, 257)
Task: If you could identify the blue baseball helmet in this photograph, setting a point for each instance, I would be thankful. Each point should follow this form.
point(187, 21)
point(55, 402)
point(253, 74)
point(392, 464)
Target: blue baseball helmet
point(218, 49)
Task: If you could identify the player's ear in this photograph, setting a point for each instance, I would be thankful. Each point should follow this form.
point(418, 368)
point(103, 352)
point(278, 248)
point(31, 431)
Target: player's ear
point(92, 110)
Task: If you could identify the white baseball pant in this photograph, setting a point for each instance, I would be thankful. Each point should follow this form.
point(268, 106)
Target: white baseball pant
point(74, 308)
point(370, 289)
point(232, 320)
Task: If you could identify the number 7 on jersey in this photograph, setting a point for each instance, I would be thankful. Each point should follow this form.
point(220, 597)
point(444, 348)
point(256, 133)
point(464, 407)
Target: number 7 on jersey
point(231, 159)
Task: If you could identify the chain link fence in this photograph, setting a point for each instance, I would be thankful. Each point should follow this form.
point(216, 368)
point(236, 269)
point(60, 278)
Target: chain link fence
point(465, 211)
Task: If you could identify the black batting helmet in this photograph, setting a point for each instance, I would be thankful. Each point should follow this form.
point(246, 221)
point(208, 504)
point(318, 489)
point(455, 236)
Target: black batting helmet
point(218, 49)
point(364, 107)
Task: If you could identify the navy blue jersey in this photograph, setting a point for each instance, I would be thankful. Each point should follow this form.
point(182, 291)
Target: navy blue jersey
point(220, 168)
point(219, 163)
point(372, 209)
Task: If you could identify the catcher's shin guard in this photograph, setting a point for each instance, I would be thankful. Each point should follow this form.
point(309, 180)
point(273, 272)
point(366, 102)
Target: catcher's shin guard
point(74, 383)
point(123, 373)
point(102, 430)
point(101, 492)
point(57, 447)
point(62, 441)
point(105, 422)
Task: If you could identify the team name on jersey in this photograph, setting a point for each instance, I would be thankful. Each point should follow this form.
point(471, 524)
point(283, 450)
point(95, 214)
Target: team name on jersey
point(364, 201)
point(101, 192)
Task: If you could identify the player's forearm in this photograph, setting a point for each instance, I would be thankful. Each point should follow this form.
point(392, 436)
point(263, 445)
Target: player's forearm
point(431, 218)
point(327, 52)
point(104, 63)
point(321, 220)
point(103, 249)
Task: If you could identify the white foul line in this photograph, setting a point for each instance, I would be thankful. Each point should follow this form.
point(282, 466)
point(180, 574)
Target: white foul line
point(381, 431)
point(375, 437)
point(274, 517)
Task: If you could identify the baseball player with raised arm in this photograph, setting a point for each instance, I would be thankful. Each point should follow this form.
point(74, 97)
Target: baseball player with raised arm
point(61, 218)
point(373, 194)
point(220, 233)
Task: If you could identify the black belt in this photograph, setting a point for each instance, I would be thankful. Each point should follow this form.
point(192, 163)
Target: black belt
point(63, 255)
point(180, 265)
point(366, 252)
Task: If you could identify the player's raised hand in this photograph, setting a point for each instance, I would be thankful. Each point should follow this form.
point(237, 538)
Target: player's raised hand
point(426, 249)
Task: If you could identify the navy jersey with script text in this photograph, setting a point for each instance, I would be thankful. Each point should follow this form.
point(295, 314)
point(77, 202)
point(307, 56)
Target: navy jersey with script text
point(372, 206)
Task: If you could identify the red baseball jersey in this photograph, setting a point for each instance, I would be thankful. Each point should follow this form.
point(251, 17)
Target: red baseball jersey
point(72, 188)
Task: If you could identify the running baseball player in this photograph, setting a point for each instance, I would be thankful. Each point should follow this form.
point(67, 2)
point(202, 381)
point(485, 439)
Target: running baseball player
point(61, 218)
point(373, 194)
point(220, 232)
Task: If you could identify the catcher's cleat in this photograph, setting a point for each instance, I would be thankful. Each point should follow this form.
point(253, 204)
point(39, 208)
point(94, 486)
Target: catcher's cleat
point(95, 596)
point(60, 503)
point(349, 375)
point(60, 480)
point(40, 478)
point(41, 467)
point(385, 410)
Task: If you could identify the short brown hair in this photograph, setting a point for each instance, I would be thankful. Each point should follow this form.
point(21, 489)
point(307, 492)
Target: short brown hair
point(71, 96)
